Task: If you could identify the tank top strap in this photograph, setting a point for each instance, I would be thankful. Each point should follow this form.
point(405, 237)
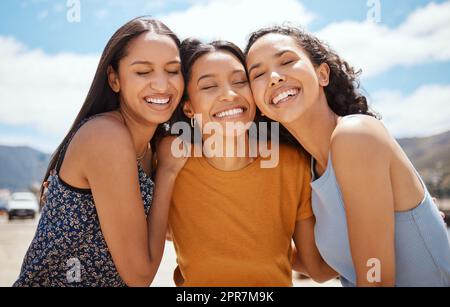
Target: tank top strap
point(313, 167)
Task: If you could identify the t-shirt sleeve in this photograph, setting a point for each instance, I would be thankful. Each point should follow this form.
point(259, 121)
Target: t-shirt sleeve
point(304, 210)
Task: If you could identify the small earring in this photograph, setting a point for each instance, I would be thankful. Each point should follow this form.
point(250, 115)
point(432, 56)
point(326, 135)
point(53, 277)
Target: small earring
point(193, 122)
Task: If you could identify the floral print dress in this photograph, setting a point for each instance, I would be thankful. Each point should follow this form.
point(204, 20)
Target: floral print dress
point(69, 249)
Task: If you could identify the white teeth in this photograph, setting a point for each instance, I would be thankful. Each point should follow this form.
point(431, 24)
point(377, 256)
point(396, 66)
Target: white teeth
point(157, 101)
point(283, 95)
point(230, 112)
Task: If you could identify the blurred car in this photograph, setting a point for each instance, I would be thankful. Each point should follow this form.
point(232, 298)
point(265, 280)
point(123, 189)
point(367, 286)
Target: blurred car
point(23, 204)
point(3, 207)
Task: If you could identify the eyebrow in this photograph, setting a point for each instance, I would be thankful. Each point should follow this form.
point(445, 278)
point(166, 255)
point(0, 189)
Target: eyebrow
point(204, 77)
point(280, 53)
point(276, 55)
point(213, 75)
point(238, 71)
point(254, 66)
point(151, 63)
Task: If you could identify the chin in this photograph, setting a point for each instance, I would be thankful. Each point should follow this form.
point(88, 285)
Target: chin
point(158, 120)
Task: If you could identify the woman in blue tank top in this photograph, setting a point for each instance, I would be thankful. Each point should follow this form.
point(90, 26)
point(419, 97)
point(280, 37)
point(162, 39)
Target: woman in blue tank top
point(376, 223)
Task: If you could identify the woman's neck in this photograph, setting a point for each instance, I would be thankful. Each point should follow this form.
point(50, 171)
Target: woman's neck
point(141, 132)
point(314, 129)
point(232, 159)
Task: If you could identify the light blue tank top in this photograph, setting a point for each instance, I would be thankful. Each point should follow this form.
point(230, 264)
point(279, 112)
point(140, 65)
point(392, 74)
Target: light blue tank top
point(422, 245)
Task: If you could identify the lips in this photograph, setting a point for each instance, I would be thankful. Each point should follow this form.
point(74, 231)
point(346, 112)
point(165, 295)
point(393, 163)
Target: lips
point(158, 100)
point(230, 112)
point(283, 95)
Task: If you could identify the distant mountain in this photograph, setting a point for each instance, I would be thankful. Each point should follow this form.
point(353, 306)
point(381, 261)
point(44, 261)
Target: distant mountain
point(20, 167)
point(431, 157)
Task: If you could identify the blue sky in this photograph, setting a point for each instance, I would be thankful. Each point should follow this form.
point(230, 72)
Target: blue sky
point(36, 36)
point(42, 23)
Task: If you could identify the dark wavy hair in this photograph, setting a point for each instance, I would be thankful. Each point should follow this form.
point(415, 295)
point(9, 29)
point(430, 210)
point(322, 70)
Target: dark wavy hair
point(101, 98)
point(191, 50)
point(343, 92)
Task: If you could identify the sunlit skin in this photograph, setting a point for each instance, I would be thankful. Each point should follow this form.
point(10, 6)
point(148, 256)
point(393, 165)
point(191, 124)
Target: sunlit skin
point(219, 83)
point(225, 86)
point(288, 68)
point(147, 73)
point(372, 191)
point(102, 156)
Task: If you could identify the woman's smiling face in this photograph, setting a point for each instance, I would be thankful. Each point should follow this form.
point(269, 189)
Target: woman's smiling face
point(149, 79)
point(283, 79)
point(218, 89)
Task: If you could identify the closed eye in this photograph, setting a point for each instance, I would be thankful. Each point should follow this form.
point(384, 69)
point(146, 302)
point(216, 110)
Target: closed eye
point(241, 82)
point(257, 76)
point(143, 73)
point(288, 62)
point(208, 87)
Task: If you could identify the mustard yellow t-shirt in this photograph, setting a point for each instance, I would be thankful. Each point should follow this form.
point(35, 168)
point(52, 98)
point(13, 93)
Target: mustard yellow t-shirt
point(235, 228)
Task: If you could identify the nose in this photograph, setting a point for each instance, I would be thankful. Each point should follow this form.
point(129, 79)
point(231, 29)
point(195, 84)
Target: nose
point(228, 94)
point(276, 78)
point(159, 83)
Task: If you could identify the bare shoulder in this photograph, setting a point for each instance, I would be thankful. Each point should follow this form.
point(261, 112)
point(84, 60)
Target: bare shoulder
point(361, 132)
point(359, 125)
point(360, 138)
point(104, 135)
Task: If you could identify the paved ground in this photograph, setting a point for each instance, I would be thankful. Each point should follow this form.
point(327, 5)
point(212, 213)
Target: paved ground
point(16, 236)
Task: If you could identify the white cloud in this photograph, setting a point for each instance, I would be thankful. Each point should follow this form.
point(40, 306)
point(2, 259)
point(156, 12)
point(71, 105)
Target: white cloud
point(234, 20)
point(41, 90)
point(422, 38)
point(46, 91)
point(425, 112)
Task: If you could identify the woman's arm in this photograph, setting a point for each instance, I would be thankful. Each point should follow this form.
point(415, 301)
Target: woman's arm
point(167, 170)
point(109, 165)
point(306, 257)
point(361, 159)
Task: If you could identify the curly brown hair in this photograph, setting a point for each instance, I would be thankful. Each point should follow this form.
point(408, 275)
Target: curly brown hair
point(343, 91)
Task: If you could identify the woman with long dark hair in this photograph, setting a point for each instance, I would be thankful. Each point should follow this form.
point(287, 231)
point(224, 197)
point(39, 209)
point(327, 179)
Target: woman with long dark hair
point(376, 223)
point(96, 227)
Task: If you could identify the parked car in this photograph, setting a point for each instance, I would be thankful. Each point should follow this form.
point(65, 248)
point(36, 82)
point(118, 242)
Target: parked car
point(23, 204)
point(3, 207)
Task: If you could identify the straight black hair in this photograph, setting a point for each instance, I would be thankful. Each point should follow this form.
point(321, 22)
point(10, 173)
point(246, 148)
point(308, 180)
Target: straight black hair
point(101, 98)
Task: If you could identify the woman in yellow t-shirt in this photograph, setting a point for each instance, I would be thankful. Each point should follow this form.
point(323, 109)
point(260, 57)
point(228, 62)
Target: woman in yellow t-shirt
point(232, 220)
